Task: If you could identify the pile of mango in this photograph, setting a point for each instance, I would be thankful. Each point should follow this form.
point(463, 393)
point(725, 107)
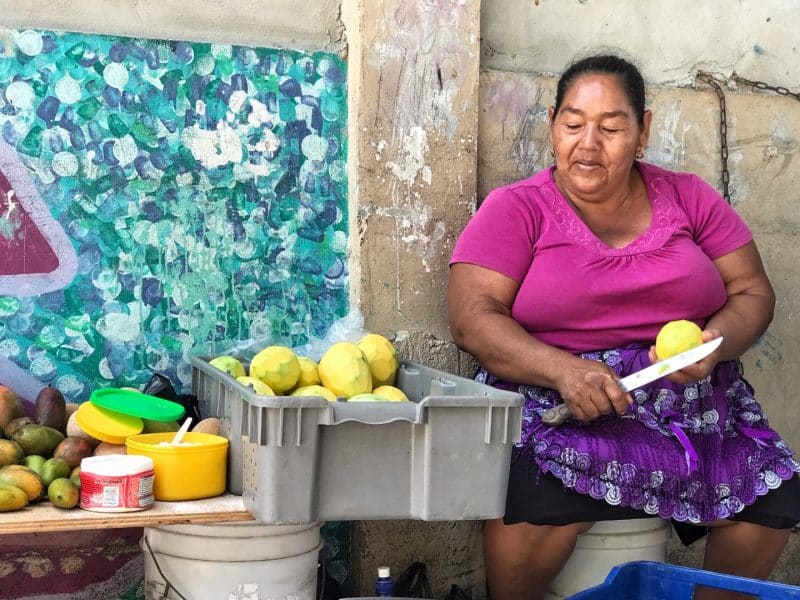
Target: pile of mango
point(356, 372)
point(38, 460)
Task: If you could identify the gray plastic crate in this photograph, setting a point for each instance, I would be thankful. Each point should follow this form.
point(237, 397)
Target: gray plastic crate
point(443, 456)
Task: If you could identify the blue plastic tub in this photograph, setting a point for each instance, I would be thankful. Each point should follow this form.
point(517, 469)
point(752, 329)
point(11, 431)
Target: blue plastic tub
point(644, 580)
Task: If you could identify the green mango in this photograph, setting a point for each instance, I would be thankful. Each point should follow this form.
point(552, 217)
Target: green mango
point(35, 462)
point(17, 423)
point(55, 468)
point(151, 426)
point(38, 439)
point(75, 477)
point(63, 493)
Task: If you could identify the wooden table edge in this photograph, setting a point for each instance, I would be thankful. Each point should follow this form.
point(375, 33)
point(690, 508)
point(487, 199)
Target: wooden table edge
point(44, 517)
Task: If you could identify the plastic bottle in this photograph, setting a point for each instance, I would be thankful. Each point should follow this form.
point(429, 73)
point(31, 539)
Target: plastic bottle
point(384, 586)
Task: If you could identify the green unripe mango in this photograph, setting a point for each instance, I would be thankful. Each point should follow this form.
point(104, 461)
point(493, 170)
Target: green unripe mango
point(54, 468)
point(38, 439)
point(150, 426)
point(16, 424)
point(75, 477)
point(35, 462)
point(63, 493)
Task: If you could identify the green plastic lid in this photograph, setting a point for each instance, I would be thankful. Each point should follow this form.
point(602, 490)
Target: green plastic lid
point(131, 402)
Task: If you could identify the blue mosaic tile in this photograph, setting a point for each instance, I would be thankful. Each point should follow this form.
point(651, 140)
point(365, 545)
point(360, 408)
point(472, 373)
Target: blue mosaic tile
point(202, 191)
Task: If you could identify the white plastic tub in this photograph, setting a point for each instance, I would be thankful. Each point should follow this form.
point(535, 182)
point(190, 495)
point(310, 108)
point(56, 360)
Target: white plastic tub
point(231, 561)
point(606, 545)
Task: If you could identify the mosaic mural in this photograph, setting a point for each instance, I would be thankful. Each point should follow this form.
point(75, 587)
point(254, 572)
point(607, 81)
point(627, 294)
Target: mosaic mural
point(160, 199)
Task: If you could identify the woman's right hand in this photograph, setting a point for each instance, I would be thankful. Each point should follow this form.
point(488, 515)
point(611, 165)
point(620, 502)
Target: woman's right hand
point(479, 307)
point(591, 389)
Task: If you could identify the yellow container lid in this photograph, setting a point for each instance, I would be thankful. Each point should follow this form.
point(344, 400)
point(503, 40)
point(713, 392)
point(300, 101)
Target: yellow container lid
point(107, 425)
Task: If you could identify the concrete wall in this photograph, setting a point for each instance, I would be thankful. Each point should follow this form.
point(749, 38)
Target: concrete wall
point(413, 87)
point(268, 23)
point(413, 91)
point(671, 39)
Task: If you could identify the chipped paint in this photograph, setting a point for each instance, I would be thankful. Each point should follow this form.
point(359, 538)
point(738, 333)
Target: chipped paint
point(424, 54)
point(414, 148)
point(424, 48)
point(739, 182)
point(782, 143)
point(380, 146)
point(668, 146)
point(37, 566)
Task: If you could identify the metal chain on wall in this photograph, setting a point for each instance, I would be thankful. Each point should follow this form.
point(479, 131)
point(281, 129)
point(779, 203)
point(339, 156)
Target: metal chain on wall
point(723, 116)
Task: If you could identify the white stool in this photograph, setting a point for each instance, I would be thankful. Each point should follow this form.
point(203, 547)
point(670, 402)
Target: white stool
point(607, 544)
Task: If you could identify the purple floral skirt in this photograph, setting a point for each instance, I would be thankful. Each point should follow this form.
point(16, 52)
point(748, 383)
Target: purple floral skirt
point(692, 453)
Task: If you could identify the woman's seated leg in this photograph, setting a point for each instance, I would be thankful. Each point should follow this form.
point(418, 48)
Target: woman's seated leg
point(741, 548)
point(523, 559)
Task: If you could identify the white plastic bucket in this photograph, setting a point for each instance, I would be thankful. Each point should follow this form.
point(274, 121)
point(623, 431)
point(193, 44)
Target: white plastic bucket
point(231, 561)
point(607, 544)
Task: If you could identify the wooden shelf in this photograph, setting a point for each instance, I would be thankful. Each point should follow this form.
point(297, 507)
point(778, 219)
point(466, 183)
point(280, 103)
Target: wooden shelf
point(46, 517)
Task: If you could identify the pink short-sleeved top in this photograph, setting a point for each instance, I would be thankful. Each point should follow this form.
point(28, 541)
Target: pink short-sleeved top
point(579, 294)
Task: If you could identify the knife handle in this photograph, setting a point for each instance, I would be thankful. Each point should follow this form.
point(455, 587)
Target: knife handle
point(556, 415)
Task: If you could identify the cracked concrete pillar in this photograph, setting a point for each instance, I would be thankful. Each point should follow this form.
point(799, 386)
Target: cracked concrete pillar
point(413, 86)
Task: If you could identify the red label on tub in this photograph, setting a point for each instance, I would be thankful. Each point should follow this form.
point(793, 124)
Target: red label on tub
point(117, 492)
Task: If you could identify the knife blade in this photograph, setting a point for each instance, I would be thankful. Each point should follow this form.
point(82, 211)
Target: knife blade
point(559, 413)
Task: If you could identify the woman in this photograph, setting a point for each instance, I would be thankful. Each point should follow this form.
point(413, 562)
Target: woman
point(559, 285)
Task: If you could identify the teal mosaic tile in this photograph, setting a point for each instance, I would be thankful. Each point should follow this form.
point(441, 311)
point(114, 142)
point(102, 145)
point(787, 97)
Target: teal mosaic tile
point(163, 199)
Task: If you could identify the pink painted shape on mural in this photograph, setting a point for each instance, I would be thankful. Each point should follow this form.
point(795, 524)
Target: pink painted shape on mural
point(23, 249)
point(36, 256)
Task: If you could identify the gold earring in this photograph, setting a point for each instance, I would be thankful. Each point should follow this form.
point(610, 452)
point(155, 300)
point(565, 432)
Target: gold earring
point(552, 152)
point(640, 153)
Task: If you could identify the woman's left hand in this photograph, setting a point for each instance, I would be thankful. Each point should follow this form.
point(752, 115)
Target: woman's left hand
point(695, 371)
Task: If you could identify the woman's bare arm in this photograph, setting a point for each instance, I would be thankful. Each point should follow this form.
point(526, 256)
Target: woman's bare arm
point(479, 304)
point(751, 301)
point(744, 317)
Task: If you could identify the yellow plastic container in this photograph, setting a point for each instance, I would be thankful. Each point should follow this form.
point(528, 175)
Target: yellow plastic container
point(107, 425)
point(189, 471)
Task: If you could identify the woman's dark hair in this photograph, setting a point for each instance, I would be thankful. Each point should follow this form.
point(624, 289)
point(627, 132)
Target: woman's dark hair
point(607, 64)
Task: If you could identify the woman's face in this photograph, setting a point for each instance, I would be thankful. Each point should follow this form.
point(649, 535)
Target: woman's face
point(595, 136)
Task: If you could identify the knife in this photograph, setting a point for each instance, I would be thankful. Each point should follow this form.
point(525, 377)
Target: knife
point(559, 413)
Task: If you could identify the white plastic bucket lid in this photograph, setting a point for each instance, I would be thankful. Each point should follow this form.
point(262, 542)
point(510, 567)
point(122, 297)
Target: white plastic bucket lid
point(116, 464)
